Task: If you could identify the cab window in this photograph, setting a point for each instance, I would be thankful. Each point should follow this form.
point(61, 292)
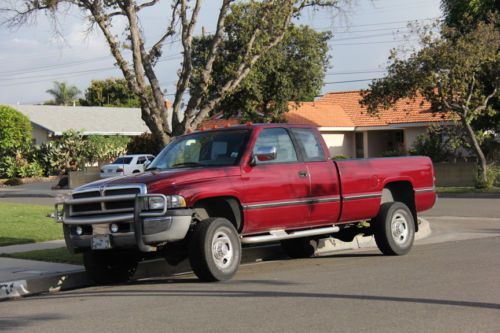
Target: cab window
point(310, 144)
point(279, 138)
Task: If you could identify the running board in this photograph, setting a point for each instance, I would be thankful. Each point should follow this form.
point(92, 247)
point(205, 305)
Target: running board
point(276, 235)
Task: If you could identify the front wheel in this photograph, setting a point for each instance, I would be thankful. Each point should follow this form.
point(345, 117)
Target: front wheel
point(110, 266)
point(394, 229)
point(214, 250)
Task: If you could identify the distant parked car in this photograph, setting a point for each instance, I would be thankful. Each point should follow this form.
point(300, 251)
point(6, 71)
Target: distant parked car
point(126, 165)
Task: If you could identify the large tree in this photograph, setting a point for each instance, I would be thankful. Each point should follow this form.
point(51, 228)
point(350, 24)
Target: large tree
point(110, 92)
point(466, 14)
point(459, 73)
point(292, 71)
point(269, 25)
point(63, 94)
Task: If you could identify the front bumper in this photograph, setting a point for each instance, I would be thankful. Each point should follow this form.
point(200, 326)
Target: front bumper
point(144, 230)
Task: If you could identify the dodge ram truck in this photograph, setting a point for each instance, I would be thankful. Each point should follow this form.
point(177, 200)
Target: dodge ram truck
point(210, 192)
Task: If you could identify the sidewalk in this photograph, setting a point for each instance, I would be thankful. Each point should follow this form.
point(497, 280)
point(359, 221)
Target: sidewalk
point(34, 190)
point(26, 277)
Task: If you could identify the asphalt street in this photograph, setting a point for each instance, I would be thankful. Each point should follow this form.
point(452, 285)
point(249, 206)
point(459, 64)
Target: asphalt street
point(447, 283)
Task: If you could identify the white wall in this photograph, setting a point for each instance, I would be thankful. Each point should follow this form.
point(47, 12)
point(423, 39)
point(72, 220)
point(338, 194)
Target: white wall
point(339, 143)
point(39, 134)
point(411, 135)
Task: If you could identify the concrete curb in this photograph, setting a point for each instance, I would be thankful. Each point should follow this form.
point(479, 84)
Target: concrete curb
point(159, 268)
point(52, 283)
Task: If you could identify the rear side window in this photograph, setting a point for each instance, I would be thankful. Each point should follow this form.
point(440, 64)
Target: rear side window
point(279, 138)
point(123, 160)
point(310, 144)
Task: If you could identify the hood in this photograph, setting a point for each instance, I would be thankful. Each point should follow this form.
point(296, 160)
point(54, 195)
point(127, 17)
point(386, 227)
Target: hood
point(160, 181)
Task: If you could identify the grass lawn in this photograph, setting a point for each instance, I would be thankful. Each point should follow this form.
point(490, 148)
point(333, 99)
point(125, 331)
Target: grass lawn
point(60, 255)
point(453, 189)
point(21, 223)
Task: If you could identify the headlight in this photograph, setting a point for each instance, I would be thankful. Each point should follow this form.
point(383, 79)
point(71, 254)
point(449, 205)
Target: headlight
point(175, 201)
point(156, 203)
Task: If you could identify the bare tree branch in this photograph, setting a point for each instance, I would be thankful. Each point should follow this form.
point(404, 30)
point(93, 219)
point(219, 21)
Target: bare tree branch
point(155, 51)
point(471, 90)
point(196, 98)
point(486, 101)
point(146, 4)
point(187, 63)
point(142, 69)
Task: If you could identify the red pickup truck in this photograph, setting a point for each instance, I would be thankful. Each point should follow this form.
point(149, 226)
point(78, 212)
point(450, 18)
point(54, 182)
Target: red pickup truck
point(209, 192)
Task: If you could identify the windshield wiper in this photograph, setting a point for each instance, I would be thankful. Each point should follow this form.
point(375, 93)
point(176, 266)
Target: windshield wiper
point(186, 164)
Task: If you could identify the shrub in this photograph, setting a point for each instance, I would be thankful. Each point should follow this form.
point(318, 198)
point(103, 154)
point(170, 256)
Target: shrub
point(492, 172)
point(105, 149)
point(144, 144)
point(430, 145)
point(15, 131)
point(19, 166)
point(339, 157)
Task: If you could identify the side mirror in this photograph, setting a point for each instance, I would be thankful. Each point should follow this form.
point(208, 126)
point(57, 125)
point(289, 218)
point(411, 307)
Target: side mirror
point(266, 153)
point(148, 162)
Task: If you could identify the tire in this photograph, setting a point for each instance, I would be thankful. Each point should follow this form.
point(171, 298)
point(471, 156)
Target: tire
point(394, 229)
point(110, 266)
point(209, 235)
point(299, 247)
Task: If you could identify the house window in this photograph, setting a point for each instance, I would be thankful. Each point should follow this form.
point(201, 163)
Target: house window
point(395, 142)
point(360, 145)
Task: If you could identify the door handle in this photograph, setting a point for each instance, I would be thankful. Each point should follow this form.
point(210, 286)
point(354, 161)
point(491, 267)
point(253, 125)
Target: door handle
point(302, 174)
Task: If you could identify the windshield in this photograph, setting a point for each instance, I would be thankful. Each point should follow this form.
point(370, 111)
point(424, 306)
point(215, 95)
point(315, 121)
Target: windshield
point(123, 160)
point(212, 148)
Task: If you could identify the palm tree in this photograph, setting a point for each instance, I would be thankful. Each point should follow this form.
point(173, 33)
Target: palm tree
point(63, 94)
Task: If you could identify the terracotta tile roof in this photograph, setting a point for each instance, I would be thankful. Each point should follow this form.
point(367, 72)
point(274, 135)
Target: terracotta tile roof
point(404, 111)
point(342, 109)
point(319, 114)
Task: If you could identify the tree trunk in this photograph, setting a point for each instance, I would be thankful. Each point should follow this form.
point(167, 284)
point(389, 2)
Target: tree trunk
point(477, 149)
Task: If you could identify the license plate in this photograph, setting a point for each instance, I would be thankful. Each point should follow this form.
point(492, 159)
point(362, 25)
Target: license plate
point(101, 242)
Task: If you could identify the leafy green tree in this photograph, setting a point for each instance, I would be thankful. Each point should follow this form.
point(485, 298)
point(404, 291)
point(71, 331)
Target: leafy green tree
point(63, 93)
point(291, 71)
point(459, 73)
point(466, 14)
point(110, 92)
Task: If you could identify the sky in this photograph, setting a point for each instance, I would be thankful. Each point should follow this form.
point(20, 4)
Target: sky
point(34, 56)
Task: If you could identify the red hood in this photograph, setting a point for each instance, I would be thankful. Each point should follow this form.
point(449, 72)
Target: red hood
point(164, 181)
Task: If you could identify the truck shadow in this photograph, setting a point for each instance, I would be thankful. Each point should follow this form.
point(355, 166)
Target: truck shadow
point(244, 294)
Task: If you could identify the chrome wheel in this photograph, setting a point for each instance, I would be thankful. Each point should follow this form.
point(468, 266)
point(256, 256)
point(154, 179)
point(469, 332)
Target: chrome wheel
point(399, 228)
point(222, 250)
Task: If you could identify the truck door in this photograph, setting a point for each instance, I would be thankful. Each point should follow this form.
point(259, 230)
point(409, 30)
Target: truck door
point(275, 191)
point(324, 193)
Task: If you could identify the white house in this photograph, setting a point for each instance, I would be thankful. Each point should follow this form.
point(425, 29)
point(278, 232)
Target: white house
point(50, 121)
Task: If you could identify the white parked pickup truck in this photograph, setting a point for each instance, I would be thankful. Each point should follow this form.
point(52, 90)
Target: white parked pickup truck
point(126, 165)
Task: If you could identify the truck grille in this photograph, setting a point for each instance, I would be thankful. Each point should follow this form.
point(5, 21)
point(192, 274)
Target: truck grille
point(100, 201)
